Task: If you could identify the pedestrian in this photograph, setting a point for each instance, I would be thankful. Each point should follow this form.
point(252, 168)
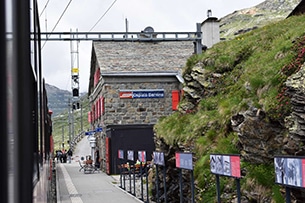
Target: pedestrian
point(97, 163)
point(63, 156)
point(58, 156)
point(69, 153)
point(89, 161)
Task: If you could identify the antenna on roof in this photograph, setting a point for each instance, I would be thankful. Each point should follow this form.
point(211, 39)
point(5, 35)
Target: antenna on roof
point(209, 13)
point(126, 25)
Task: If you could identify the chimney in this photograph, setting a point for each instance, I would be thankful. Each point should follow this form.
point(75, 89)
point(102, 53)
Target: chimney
point(210, 30)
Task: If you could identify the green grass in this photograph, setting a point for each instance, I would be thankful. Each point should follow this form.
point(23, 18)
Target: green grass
point(250, 74)
point(61, 124)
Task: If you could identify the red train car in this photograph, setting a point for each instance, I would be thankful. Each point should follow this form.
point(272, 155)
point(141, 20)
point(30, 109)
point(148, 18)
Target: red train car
point(26, 145)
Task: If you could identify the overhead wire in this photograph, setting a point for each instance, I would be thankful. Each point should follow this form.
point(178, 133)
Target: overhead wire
point(103, 15)
point(44, 8)
point(57, 22)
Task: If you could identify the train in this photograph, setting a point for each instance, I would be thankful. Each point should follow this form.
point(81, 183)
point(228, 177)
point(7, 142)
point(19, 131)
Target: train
point(27, 172)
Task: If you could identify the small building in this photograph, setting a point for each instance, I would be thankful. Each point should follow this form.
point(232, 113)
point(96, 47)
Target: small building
point(210, 30)
point(132, 85)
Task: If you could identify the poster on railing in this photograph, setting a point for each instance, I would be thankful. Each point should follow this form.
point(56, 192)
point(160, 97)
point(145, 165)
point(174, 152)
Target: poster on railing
point(130, 155)
point(290, 171)
point(226, 165)
point(159, 158)
point(120, 154)
point(142, 156)
point(184, 160)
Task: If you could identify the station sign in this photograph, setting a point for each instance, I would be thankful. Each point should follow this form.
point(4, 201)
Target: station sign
point(90, 132)
point(140, 94)
point(99, 129)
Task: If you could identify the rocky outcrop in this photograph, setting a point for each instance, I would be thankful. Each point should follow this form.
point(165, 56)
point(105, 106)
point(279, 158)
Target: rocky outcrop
point(295, 142)
point(259, 137)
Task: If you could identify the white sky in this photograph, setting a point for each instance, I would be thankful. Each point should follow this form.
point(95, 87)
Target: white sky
point(162, 15)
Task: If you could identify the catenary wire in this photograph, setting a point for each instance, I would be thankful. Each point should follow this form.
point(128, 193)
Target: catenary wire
point(45, 6)
point(103, 15)
point(57, 22)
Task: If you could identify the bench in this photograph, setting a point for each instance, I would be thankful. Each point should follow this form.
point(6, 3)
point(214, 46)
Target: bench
point(81, 166)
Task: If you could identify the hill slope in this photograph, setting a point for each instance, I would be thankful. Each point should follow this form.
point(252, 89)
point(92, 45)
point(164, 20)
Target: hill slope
point(58, 99)
point(243, 96)
point(247, 19)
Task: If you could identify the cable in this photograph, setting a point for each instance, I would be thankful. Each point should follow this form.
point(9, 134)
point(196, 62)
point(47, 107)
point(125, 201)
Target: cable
point(103, 15)
point(57, 22)
point(44, 8)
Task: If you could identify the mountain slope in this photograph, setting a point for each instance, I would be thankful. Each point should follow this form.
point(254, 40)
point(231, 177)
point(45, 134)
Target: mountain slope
point(58, 99)
point(248, 19)
point(242, 96)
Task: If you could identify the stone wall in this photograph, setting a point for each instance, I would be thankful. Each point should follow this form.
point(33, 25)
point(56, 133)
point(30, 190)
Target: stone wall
point(120, 111)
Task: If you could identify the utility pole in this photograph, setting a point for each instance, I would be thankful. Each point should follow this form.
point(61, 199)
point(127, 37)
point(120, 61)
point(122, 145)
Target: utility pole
point(81, 117)
point(69, 115)
point(63, 135)
point(74, 80)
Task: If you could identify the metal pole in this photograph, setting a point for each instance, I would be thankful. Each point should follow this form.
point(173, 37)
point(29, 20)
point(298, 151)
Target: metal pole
point(62, 138)
point(192, 186)
point(81, 117)
point(72, 124)
point(181, 185)
point(164, 181)
point(134, 179)
point(129, 178)
point(124, 174)
point(141, 168)
point(218, 188)
point(288, 199)
point(69, 111)
point(157, 183)
point(238, 190)
point(147, 196)
point(120, 173)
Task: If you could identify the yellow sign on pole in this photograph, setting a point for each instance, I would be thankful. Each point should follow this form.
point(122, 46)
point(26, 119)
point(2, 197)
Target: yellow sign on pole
point(74, 70)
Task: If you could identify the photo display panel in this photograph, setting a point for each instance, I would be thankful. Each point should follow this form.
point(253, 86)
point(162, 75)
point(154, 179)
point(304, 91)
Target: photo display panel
point(226, 165)
point(290, 171)
point(120, 154)
point(142, 156)
point(130, 155)
point(184, 160)
point(159, 158)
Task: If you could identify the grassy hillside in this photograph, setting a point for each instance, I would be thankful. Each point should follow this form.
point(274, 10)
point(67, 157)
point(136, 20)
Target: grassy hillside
point(246, 72)
point(61, 123)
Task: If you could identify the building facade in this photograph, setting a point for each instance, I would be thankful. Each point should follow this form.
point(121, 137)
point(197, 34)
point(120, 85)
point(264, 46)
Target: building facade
point(132, 85)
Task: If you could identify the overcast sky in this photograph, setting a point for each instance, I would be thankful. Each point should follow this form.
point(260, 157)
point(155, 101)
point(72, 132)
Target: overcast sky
point(92, 15)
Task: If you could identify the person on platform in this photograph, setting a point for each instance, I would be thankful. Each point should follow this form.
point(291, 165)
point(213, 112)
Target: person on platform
point(69, 153)
point(89, 161)
point(97, 163)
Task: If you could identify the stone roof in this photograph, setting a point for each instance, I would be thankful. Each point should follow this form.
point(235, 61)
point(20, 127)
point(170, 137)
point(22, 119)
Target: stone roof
point(142, 56)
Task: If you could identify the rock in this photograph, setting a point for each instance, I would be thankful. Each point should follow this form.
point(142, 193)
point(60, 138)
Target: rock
point(260, 138)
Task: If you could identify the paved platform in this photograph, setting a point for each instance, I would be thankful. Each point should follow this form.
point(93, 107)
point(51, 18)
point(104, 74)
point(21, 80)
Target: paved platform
point(74, 186)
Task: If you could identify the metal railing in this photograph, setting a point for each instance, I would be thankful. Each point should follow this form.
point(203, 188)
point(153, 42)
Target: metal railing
point(120, 36)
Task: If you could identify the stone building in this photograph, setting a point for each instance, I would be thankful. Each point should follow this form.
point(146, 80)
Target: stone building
point(132, 85)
